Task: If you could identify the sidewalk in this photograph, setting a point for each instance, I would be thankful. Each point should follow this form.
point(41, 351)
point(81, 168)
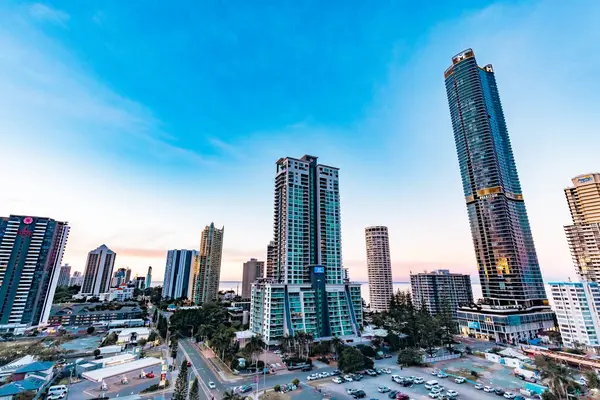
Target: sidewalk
point(224, 373)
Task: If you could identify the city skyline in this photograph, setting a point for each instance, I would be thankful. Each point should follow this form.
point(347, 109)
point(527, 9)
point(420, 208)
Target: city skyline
point(395, 120)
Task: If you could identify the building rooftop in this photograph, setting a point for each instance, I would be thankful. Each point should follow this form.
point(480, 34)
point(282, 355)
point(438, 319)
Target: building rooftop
point(15, 388)
point(35, 367)
point(88, 309)
point(99, 375)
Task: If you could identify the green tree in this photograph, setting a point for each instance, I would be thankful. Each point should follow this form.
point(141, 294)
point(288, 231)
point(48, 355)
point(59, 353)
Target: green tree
point(558, 377)
point(409, 357)
point(592, 380)
point(253, 348)
point(174, 346)
point(429, 330)
point(181, 384)
point(91, 330)
point(351, 360)
point(195, 390)
point(229, 395)
point(448, 327)
point(109, 340)
point(338, 346)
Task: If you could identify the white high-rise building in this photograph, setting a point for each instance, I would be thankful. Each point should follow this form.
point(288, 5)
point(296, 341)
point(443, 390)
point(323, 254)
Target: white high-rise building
point(305, 289)
point(583, 235)
point(379, 267)
point(577, 306)
point(31, 250)
point(76, 279)
point(98, 273)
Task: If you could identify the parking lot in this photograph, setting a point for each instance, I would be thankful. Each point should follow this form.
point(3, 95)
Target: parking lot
point(370, 384)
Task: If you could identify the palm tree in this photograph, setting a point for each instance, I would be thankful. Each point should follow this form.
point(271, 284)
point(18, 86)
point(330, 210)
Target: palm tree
point(558, 376)
point(254, 346)
point(309, 340)
point(286, 343)
point(229, 395)
point(338, 345)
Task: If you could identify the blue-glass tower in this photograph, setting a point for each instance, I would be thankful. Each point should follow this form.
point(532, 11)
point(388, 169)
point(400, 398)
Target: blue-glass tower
point(515, 305)
point(506, 257)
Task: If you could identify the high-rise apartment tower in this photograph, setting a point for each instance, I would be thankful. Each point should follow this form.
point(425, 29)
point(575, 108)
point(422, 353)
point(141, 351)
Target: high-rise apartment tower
point(208, 271)
point(31, 250)
point(98, 273)
point(511, 280)
point(379, 267)
point(179, 274)
point(65, 275)
point(305, 288)
point(583, 235)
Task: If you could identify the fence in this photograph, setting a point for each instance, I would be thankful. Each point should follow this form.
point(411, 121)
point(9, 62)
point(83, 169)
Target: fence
point(440, 358)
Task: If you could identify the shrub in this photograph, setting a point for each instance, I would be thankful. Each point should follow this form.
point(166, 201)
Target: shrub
point(366, 350)
point(277, 388)
point(97, 352)
point(296, 382)
point(474, 374)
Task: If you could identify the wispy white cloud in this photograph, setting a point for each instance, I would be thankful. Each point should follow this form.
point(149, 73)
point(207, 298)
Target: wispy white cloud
point(46, 13)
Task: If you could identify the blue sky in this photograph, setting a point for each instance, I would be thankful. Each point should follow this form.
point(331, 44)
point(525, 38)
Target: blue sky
point(141, 122)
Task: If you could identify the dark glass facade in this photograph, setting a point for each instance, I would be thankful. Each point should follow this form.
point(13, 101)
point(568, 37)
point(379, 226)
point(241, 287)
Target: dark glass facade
point(504, 248)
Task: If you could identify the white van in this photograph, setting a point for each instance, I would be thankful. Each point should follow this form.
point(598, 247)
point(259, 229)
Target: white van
point(430, 384)
point(58, 391)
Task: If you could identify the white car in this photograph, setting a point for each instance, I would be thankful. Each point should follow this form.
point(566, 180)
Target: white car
point(383, 389)
point(452, 393)
point(478, 386)
point(460, 379)
point(350, 391)
point(348, 378)
point(430, 384)
point(509, 395)
point(488, 389)
point(437, 389)
point(386, 370)
point(212, 385)
point(55, 396)
point(418, 381)
point(312, 377)
point(434, 395)
point(337, 379)
point(442, 375)
point(324, 374)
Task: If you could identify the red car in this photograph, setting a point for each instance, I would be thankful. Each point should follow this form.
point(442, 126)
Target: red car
point(150, 375)
point(402, 396)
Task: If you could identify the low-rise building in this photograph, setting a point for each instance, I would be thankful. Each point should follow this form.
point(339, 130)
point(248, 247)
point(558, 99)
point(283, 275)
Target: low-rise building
point(121, 293)
point(577, 306)
point(131, 335)
point(87, 314)
point(433, 288)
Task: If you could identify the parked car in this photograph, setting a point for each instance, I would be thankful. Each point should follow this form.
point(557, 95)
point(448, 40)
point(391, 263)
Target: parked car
point(434, 395)
point(430, 384)
point(418, 381)
point(150, 375)
point(488, 389)
point(351, 391)
point(387, 356)
point(336, 372)
point(460, 379)
point(434, 372)
point(452, 393)
point(392, 394)
point(402, 396)
point(348, 378)
point(312, 377)
point(437, 389)
point(442, 375)
point(383, 389)
point(509, 395)
point(371, 372)
point(337, 379)
point(499, 392)
point(245, 388)
point(357, 377)
point(386, 371)
point(306, 368)
point(478, 386)
point(359, 394)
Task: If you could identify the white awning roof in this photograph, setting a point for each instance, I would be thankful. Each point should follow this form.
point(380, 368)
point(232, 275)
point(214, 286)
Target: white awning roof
point(100, 374)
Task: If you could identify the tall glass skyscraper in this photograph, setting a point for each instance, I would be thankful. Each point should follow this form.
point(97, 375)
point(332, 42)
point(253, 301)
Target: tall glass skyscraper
point(509, 272)
point(305, 289)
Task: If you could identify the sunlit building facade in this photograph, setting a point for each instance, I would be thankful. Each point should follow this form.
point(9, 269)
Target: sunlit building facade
point(305, 289)
point(516, 306)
